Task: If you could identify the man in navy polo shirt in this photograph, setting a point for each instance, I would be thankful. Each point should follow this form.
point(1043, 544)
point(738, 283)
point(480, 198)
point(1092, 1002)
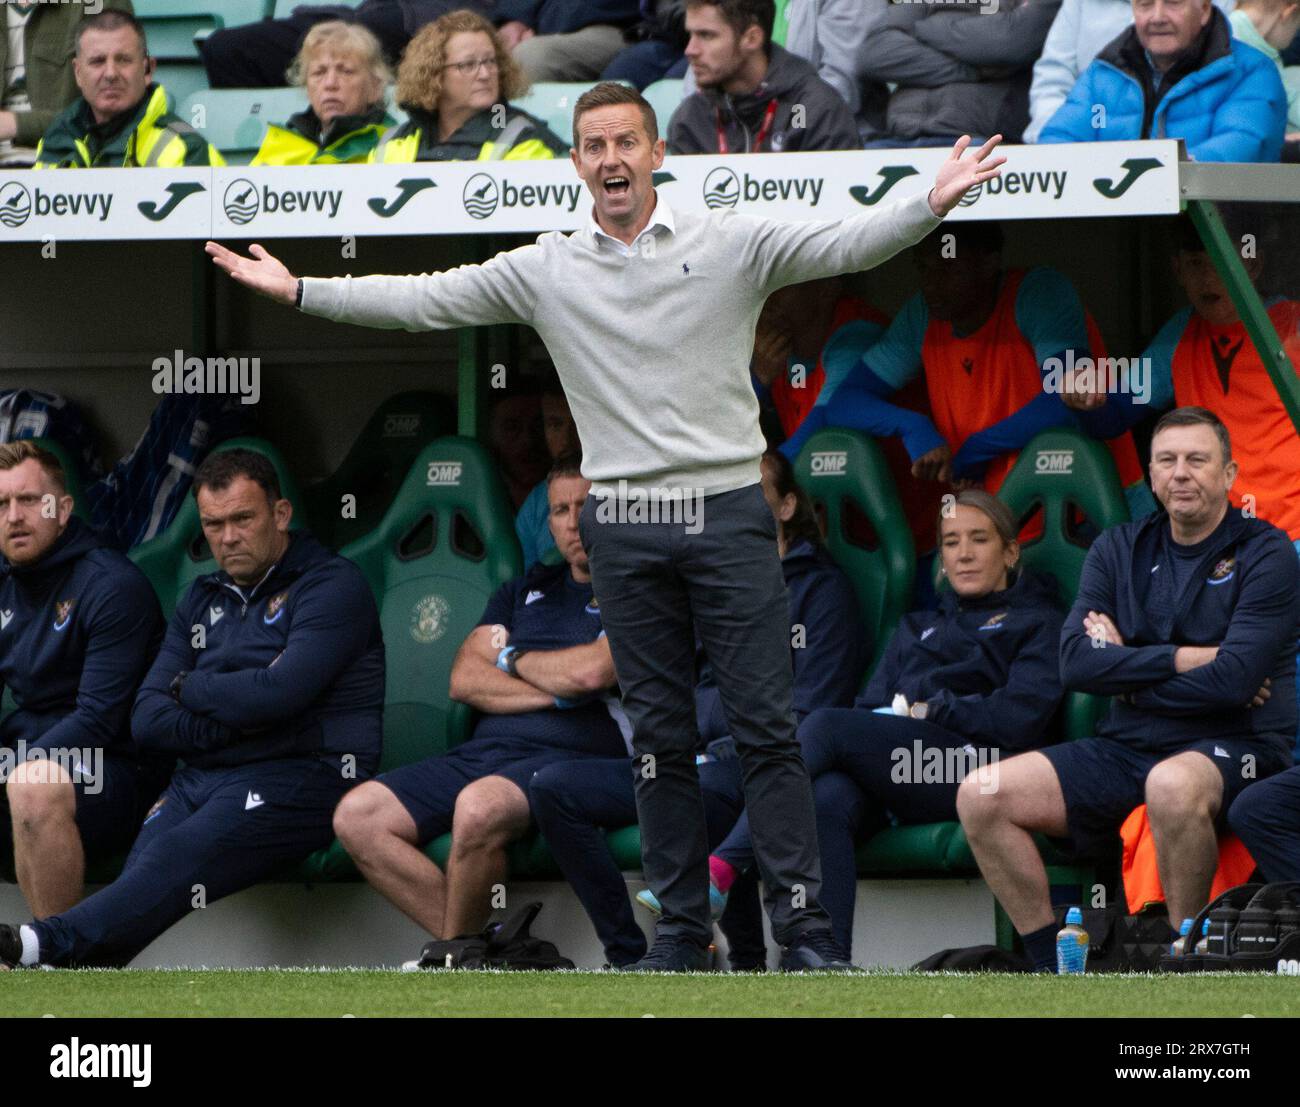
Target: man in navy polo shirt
point(538, 668)
point(79, 626)
point(270, 686)
point(1187, 618)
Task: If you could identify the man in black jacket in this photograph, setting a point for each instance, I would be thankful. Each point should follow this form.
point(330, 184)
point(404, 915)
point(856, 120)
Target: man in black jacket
point(79, 626)
point(1187, 618)
point(754, 96)
point(270, 685)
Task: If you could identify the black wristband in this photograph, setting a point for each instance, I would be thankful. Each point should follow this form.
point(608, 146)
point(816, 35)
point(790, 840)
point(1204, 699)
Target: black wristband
point(178, 682)
point(512, 662)
point(298, 299)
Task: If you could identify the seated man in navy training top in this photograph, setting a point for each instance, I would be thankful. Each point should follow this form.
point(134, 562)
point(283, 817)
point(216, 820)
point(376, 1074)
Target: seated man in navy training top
point(575, 802)
point(1188, 619)
point(538, 668)
point(79, 625)
point(270, 686)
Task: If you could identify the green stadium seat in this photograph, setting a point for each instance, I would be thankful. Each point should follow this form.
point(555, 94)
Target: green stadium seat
point(183, 81)
point(170, 25)
point(553, 101)
point(179, 555)
point(377, 463)
point(235, 120)
point(664, 97)
point(284, 8)
point(845, 474)
point(444, 546)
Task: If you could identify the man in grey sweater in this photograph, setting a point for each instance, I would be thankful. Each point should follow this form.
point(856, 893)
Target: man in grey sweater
point(649, 316)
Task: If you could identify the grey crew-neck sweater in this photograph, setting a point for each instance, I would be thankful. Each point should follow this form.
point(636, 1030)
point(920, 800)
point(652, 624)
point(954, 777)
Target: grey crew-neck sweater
point(653, 348)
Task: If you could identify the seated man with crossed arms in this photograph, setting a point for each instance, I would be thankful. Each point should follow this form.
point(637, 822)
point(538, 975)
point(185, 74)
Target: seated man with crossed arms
point(538, 668)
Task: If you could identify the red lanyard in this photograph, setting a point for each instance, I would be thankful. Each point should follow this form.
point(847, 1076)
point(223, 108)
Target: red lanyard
point(768, 116)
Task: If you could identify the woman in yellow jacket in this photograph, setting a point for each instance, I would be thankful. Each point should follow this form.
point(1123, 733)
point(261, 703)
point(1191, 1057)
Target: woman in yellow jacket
point(341, 66)
point(455, 83)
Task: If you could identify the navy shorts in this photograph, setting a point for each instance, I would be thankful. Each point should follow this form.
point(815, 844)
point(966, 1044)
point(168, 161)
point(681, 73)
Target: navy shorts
point(1103, 780)
point(112, 800)
point(109, 817)
point(428, 788)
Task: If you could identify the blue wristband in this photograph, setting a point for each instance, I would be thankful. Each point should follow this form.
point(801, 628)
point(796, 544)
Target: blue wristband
point(503, 658)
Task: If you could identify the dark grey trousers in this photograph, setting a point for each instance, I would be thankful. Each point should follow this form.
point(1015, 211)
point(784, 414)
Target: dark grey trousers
point(657, 586)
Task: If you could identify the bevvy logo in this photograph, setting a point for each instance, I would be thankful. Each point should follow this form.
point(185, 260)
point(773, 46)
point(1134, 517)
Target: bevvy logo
point(17, 204)
point(723, 188)
point(243, 201)
point(482, 196)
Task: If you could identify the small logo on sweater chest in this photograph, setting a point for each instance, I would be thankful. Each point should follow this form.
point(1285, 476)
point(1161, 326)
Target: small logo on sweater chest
point(63, 613)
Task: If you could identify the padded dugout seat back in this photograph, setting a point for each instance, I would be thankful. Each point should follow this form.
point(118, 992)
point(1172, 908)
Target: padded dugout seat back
point(444, 546)
point(848, 479)
point(377, 464)
point(178, 556)
point(1064, 473)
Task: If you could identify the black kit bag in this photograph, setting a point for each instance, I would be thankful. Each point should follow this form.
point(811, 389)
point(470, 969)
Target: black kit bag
point(505, 944)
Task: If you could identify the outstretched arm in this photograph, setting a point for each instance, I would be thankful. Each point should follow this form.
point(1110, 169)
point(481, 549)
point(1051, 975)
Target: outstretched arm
point(501, 290)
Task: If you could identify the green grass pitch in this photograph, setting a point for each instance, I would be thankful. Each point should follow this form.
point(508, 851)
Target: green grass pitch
point(361, 993)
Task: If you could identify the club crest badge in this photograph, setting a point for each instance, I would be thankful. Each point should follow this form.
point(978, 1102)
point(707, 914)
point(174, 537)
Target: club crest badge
point(275, 607)
point(63, 613)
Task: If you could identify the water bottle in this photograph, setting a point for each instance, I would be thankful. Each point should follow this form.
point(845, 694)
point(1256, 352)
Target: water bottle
point(1180, 943)
point(1072, 944)
point(1203, 946)
point(1223, 924)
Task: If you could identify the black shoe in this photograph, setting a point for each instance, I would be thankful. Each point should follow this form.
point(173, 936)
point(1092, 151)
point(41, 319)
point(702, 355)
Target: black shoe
point(672, 954)
point(815, 951)
point(11, 947)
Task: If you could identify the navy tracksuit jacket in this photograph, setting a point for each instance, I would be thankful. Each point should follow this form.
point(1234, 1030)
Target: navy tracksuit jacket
point(1243, 596)
point(77, 633)
point(986, 667)
point(279, 716)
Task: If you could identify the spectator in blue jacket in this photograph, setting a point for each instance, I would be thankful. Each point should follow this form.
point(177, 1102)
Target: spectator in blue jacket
point(1188, 620)
point(79, 625)
point(270, 686)
point(955, 690)
point(1177, 72)
point(1080, 31)
point(575, 802)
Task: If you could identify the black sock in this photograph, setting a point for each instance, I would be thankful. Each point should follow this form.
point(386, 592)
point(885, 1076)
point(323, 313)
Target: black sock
point(1040, 945)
